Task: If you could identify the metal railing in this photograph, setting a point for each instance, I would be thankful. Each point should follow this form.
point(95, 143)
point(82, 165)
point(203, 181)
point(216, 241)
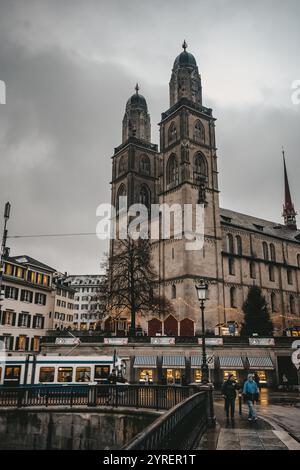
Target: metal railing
point(178, 428)
point(157, 397)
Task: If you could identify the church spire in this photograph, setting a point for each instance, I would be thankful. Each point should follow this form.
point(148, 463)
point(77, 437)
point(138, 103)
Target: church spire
point(289, 213)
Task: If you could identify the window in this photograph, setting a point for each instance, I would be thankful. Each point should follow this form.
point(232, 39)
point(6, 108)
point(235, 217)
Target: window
point(21, 343)
point(232, 297)
point(9, 318)
point(239, 247)
point(26, 296)
point(39, 278)
point(290, 276)
point(145, 164)
point(20, 272)
point(198, 375)
point(36, 344)
point(252, 270)
point(229, 243)
point(292, 305)
point(226, 373)
point(9, 269)
point(173, 253)
point(46, 374)
point(40, 299)
point(38, 322)
point(265, 251)
point(298, 260)
point(172, 170)
point(146, 374)
point(272, 252)
point(65, 374)
point(31, 276)
point(172, 133)
point(24, 320)
point(101, 372)
point(200, 167)
point(231, 266)
point(173, 295)
point(11, 293)
point(122, 164)
point(273, 302)
point(121, 193)
point(83, 374)
point(145, 196)
point(199, 134)
point(271, 273)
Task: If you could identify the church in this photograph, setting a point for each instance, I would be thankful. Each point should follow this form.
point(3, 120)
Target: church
point(239, 250)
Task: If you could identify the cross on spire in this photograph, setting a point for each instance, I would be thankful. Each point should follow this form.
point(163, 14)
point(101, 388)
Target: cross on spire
point(137, 88)
point(184, 45)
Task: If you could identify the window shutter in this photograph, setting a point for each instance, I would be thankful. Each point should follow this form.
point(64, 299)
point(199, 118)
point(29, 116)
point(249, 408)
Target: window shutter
point(20, 319)
point(14, 319)
point(43, 322)
point(11, 343)
point(16, 294)
point(31, 344)
point(3, 318)
point(17, 343)
point(31, 297)
point(6, 291)
point(1, 314)
point(28, 321)
point(35, 298)
point(27, 343)
point(22, 295)
point(34, 322)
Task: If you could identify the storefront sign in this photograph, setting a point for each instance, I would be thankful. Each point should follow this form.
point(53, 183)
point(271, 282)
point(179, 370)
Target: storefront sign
point(296, 358)
point(162, 340)
point(116, 341)
point(67, 341)
point(212, 341)
point(261, 342)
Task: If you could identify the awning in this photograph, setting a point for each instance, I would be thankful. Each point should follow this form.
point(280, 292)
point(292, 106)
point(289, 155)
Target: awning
point(231, 362)
point(262, 362)
point(145, 361)
point(174, 361)
point(196, 361)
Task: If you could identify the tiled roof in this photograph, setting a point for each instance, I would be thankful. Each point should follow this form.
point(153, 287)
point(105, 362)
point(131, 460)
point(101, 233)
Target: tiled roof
point(254, 224)
point(28, 261)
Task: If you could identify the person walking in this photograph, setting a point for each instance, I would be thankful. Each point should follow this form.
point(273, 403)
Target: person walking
point(251, 394)
point(229, 390)
point(285, 382)
point(256, 378)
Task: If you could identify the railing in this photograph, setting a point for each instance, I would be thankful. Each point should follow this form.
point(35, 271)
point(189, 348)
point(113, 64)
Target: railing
point(179, 428)
point(157, 397)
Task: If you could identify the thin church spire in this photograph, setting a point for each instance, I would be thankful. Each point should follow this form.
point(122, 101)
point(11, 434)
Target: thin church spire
point(289, 213)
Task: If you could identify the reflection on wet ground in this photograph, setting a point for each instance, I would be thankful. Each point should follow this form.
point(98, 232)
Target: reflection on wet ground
point(273, 397)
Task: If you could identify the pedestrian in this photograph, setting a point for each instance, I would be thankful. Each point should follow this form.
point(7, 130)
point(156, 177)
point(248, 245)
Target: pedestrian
point(256, 378)
point(112, 378)
point(251, 394)
point(229, 392)
point(163, 379)
point(285, 382)
point(183, 380)
point(147, 378)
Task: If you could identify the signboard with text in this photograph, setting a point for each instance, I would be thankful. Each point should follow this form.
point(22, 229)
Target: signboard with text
point(162, 340)
point(212, 341)
point(67, 341)
point(261, 342)
point(116, 341)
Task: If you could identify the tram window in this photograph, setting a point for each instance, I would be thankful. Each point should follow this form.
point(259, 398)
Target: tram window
point(47, 374)
point(101, 372)
point(83, 374)
point(143, 374)
point(12, 372)
point(65, 374)
point(226, 373)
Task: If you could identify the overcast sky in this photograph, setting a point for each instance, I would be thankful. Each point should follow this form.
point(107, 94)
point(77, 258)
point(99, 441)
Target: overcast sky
point(70, 66)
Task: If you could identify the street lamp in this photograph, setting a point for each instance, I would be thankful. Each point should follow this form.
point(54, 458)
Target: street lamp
point(202, 296)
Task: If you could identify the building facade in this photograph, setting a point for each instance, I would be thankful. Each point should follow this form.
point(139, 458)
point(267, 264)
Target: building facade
point(239, 250)
point(88, 309)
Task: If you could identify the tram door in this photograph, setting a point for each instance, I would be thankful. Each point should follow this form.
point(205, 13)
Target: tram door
point(12, 375)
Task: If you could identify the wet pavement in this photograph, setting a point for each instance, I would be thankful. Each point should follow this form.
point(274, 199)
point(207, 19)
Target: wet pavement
point(277, 427)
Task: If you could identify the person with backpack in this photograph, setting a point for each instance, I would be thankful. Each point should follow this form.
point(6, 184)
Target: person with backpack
point(251, 394)
point(229, 390)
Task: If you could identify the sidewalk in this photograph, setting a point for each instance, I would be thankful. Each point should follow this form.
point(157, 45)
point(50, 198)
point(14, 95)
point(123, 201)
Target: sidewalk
point(242, 435)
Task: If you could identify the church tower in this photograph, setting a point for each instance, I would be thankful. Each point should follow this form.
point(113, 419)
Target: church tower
point(189, 175)
point(289, 213)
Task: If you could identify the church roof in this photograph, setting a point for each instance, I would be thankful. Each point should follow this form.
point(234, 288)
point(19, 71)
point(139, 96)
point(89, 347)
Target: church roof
point(254, 224)
point(185, 59)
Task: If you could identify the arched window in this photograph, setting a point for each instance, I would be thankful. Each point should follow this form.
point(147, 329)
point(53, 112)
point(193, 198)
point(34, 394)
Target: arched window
point(231, 269)
point(122, 165)
point(232, 297)
point(121, 193)
point(200, 167)
point(239, 246)
point(172, 133)
point(272, 252)
point(273, 302)
point(229, 243)
point(145, 196)
point(298, 260)
point(199, 133)
point(265, 251)
point(252, 270)
point(271, 273)
point(173, 296)
point(290, 276)
point(145, 164)
point(292, 305)
point(172, 170)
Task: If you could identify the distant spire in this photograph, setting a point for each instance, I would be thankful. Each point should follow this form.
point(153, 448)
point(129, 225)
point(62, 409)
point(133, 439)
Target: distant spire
point(289, 213)
point(137, 88)
point(184, 45)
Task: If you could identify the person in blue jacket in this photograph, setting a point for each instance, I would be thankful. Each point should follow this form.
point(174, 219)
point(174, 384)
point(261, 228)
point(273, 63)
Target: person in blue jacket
point(251, 394)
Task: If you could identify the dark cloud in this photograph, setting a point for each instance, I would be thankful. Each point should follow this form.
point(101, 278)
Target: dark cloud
point(70, 66)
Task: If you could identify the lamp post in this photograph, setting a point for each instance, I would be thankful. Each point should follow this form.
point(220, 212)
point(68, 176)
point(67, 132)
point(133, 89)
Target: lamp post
point(202, 296)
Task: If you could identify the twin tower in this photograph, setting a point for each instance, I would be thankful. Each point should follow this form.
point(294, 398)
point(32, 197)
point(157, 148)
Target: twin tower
point(182, 171)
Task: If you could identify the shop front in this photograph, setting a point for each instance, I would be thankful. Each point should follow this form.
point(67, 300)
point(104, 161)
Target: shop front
point(196, 363)
point(145, 368)
point(264, 368)
point(173, 369)
point(230, 365)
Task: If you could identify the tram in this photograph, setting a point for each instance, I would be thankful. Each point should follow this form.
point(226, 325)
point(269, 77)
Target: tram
point(58, 370)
